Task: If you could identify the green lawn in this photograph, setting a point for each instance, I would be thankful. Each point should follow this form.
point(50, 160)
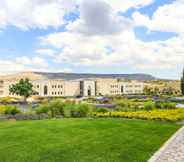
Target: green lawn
point(82, 140)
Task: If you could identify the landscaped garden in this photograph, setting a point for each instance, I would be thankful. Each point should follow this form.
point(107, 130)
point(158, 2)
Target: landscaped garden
point(82, 140)
point(122, 107)
point(78, 130)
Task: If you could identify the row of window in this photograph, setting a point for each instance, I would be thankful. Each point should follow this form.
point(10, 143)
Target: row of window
point(53, 86)
point(57, 93)
point(131, 86)
point(127, 86)
point(116, 92)
point(136, 91)
point(129, 91)
point(114, 86)
point(57, 86)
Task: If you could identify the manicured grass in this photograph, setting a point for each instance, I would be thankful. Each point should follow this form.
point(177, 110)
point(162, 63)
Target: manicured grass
point(82, 140)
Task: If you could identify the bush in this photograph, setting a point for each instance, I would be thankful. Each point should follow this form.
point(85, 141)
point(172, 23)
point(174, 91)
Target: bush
point(135, 107)
point(58, 108)
point(11, 110)
point(149, 106)
point(124, 109)
point(42, 109)
point(165, 105)
point(121, 104)
point(69, 109)
point(169, 105)
point(55, 108)
point(102, 110)
point(2, 109)
point(81, 110)
point(158, 104)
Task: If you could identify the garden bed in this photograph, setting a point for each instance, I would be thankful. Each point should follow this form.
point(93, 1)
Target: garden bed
point(163, 115)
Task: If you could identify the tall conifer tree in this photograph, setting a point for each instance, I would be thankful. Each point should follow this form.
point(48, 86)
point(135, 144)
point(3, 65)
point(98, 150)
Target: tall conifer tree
point(182, 83)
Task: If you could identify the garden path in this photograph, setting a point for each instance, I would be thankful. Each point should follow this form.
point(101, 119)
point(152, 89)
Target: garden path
point(172, 150)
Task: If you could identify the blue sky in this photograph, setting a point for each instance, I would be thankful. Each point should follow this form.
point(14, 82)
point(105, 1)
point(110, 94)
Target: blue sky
point(80, 36)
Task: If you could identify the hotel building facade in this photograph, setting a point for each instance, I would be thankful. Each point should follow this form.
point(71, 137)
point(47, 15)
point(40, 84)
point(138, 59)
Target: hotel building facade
point(79, 87)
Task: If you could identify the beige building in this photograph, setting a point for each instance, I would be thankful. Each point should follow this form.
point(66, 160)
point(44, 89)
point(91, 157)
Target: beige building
point(73, 88)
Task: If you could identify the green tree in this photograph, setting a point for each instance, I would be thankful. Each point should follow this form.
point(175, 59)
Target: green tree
point(182, 83)
point(23, 88)
point(147, 90)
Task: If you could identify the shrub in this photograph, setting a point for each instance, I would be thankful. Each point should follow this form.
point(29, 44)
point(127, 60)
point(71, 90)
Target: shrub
point(149, 105)
point(165, 105)
point(42, 109)
point(169, 105)
point(102, 110)
point(69, 109)
point(81, 110)
point(11, 110)
point(135, 107)
point(158, 104)
point(56, 107)
point(2, 109)
point(124, 109)
point(121, 104)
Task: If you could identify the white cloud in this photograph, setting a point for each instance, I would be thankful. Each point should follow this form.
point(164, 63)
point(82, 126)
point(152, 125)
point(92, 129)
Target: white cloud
point(45, 52)
point(123, 5)
point(27, 14)
point(98, 18)
point(25, 63)
point(168, 18)
point(99, 26)
point(119, 5)
point(80, 50)
point(35, 61)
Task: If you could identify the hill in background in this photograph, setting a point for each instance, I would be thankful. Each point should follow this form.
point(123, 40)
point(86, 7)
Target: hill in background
point(71, 76)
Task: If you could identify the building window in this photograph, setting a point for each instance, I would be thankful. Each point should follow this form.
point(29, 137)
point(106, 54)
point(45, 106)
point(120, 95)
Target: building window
point(89, 91)
point(122, 89)
point(45, 90)
point(81, 88)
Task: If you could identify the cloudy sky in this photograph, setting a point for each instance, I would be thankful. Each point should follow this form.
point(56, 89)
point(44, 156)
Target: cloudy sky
point(93, 36)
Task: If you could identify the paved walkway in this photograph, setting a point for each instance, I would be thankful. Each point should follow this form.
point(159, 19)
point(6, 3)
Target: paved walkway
point(173, 149)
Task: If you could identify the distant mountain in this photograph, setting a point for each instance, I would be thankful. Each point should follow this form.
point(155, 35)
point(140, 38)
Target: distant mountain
point(71, 76)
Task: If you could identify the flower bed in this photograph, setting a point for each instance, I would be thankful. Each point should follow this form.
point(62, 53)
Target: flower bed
point(163, 115)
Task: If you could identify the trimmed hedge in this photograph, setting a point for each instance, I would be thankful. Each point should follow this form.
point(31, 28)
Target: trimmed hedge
point(163, 115)
point(27, 116)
